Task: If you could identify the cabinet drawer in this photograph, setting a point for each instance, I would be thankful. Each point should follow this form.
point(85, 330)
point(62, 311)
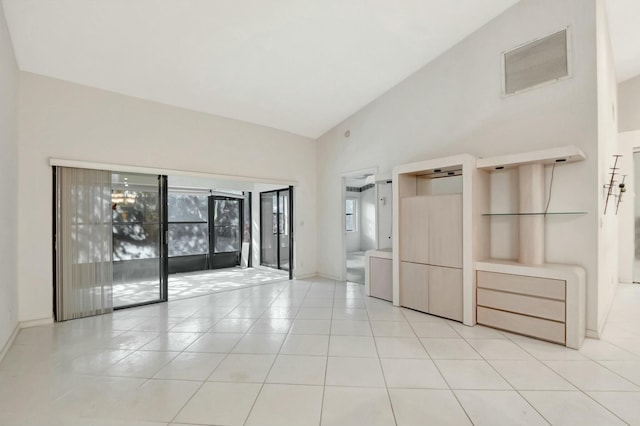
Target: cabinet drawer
point(522, 324)
point(534, 306)
point(414, 286)
point(380, 278)
point(531, 286)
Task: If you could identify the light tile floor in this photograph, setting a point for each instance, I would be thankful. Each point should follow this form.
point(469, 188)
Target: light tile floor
point(314, 352)
point(191, 284)
point(355, 267)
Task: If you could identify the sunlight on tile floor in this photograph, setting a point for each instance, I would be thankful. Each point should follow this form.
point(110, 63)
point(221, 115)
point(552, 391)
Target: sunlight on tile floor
point(314, 352)
point(195, 284)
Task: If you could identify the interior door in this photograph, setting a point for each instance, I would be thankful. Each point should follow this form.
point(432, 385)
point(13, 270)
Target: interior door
point(225, 231)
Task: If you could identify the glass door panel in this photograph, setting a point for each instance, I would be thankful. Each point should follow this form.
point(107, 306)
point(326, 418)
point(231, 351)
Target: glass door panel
point(137, 245)
point(269, 229)
point(225, 231)
point(275, 229)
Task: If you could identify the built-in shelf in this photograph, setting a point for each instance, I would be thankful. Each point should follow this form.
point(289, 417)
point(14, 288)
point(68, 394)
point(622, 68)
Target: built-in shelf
point(533, 214)
point(561, 155)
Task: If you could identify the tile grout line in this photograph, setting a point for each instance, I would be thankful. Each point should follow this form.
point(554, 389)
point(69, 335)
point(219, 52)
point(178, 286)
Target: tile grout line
point(579, 389)
point(216, 367)
point(326, 365)
point(246, 419)
point(384, 377)
point(440, 371)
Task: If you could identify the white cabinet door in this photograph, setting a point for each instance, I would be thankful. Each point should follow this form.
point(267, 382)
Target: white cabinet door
point(380, 278)
point(445, 292)
point(414, 286)
point(445, 230)
point(414, 229)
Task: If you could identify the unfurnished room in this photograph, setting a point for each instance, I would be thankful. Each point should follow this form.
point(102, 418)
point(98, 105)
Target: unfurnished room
point(324, 213)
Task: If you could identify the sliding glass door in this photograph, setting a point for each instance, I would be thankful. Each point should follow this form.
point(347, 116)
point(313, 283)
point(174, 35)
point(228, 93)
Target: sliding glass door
point(109, 241)
point(139, 246)
point(225, 231)
point(276, 238)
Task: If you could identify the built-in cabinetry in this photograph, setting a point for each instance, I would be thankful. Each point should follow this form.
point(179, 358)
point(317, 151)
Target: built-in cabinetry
point(431, 254)
point(378, 274)
point(547, 301)
point(442, 219)
point(436, 236)
point(528, 295)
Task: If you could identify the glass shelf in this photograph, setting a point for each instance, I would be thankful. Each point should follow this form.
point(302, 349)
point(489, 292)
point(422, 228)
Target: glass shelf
point(533, 214)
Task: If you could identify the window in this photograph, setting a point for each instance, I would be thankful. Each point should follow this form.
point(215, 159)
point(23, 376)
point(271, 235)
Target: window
point(188, 226)
point(350, 210)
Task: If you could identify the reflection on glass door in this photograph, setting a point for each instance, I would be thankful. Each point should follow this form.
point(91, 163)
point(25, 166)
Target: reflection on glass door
point(275, 229)
point(137, 204)
point(225, 231)
point(269, 229)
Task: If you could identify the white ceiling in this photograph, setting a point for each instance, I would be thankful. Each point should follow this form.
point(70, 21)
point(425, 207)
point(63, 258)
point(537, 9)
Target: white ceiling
point(297, 65)
point(624, 26)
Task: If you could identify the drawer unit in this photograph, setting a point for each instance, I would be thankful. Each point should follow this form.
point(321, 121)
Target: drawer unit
point(522, 324)
point(533, 306)
point(522, 304)
point(522, 284)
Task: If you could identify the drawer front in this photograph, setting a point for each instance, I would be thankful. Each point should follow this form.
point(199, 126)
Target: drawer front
point(522, 284)
point(414, 286)
point(380, 278)
point(534, 306)
point(522, 324)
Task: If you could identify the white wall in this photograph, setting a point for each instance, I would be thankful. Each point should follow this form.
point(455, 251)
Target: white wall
point(8, 184)
point(65, 120)
point(455, 105)
point(629, 105)
point(607, 147)
point(385, 204)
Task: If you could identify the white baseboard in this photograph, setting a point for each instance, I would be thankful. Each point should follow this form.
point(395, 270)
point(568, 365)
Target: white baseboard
point(306, 276)
point(36, 323)
point(327, 276)
point(9, 342)
point(592, 334)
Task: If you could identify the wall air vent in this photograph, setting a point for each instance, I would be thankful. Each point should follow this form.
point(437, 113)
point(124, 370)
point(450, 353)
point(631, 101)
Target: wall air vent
point(538, 62)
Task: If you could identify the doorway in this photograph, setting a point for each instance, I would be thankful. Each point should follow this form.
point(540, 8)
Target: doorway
point(359, 228)
point(130, 238)
point(225, 231)
point(276, 229)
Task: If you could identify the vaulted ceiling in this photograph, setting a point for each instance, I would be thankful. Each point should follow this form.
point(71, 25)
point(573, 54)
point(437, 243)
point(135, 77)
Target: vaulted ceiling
point(301, 66)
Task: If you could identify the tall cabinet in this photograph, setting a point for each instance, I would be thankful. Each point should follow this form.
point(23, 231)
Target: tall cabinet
point(437, 235)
